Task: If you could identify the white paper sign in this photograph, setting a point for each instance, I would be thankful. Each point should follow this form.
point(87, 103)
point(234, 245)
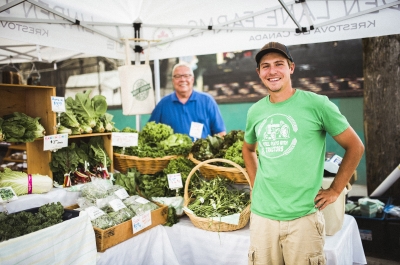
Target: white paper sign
point(57, 104)
point(196, 130)
point(174, 181)
point(55, 141)
point(142, 221)
point(117, 205)
point(142, 200)
point(94, 212)
point(7, 194)
point(124, 139)
point(121, 193)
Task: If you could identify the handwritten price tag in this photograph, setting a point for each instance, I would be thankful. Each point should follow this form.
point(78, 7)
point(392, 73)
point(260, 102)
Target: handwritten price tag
point(124, 139)
point(174, 181)
point(94, 212)
point(196, 130)
point(55, 141)
point(140, 222)
point(57, 104)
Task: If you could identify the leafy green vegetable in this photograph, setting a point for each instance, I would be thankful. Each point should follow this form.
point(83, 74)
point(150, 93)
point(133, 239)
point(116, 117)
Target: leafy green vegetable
point(128, 180)
point(62, 129)
point(68, 118)
point(84, 110)
point(234, 153)
point(157, 140)
point(19, 127)
point(18, 181)
point(177, 144)
point(109, 125)
point(155, 132)
point(229, 147)
point(217, 197)
point(64, 160)
point(22, 223)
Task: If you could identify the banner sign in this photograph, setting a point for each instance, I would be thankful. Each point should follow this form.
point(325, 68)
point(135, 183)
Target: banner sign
point(194, 27)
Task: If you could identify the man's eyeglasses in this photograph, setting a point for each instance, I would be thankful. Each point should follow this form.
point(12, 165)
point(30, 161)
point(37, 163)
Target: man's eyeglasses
point(179, 76)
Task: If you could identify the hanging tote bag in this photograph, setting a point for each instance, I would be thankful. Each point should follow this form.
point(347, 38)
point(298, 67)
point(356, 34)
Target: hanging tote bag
point(136, 89)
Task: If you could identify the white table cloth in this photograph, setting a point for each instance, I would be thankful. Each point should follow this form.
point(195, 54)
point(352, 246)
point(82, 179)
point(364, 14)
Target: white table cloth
point(70, 242)
point(195, 246)
point(181, 244)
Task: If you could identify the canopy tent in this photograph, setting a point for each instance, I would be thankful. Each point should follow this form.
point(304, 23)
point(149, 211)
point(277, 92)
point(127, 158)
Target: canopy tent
point(54, 30)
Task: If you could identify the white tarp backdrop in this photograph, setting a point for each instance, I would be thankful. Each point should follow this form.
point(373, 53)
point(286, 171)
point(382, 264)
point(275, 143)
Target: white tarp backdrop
point(191, 27)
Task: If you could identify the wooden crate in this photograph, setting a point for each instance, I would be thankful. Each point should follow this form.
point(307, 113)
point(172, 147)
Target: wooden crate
point(106, 238)
point(34, 101)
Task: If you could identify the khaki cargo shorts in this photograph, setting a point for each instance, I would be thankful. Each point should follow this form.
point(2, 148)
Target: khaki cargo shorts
point(295, 242)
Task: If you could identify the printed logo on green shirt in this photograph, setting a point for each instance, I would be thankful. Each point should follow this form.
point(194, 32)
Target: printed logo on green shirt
point(277, 134)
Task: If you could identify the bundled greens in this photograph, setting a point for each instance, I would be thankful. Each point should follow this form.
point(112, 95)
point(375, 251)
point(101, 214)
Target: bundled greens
point(19, 127)
point(216, 197)
point(157, 140)
point(22, 223)
point(86, 115)
point(19, 182)
point(127, 180)
point(229, 147)
point(72, 160)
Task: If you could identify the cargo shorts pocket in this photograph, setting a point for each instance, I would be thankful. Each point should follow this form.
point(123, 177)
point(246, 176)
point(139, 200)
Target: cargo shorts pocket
point(320, 223)
point(251, 256)
point(317, 260)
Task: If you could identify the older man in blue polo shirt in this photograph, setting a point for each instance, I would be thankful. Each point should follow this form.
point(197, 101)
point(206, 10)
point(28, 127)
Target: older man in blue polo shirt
point(185, 107)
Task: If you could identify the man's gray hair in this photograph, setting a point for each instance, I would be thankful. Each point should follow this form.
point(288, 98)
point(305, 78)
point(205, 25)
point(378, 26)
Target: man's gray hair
point(182, 64)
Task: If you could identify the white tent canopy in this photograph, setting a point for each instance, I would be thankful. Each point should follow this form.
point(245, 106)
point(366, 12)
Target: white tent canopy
point(54, 30)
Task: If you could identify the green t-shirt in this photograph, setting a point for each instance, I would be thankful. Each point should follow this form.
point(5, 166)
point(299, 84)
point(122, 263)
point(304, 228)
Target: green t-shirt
point(291, 145)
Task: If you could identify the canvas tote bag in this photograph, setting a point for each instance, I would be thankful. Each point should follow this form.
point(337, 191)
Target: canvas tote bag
point(136, 87)
point(334, 212)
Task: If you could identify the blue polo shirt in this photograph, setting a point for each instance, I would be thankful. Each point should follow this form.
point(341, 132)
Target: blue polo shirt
point(201, 107)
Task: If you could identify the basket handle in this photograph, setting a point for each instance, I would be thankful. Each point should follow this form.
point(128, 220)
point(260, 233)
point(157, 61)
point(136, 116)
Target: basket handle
point(185, 194)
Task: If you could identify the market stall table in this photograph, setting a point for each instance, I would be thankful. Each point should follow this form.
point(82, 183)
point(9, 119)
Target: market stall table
point(183, 243)
point(195, 246)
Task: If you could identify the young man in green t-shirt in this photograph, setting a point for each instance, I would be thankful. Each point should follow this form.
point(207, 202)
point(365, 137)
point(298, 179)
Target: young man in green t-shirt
point(288, 127)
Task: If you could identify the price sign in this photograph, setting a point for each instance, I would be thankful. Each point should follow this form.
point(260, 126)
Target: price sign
point(142, 221)
point(117, 205)
point(196, 130)
point(121, 193)
point(94, 212)
point(174, 181)
point(124, 139)
point(142, 200)
point(55, 141)
point(57, 104)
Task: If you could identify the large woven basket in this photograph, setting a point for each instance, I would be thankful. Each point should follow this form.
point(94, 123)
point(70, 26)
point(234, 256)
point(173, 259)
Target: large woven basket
point(210, 171)
point(145, 165)
point(209, 224)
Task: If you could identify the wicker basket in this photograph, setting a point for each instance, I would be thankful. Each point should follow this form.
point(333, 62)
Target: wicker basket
point(210, 171)
point(145, 165)
point(209, 224)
